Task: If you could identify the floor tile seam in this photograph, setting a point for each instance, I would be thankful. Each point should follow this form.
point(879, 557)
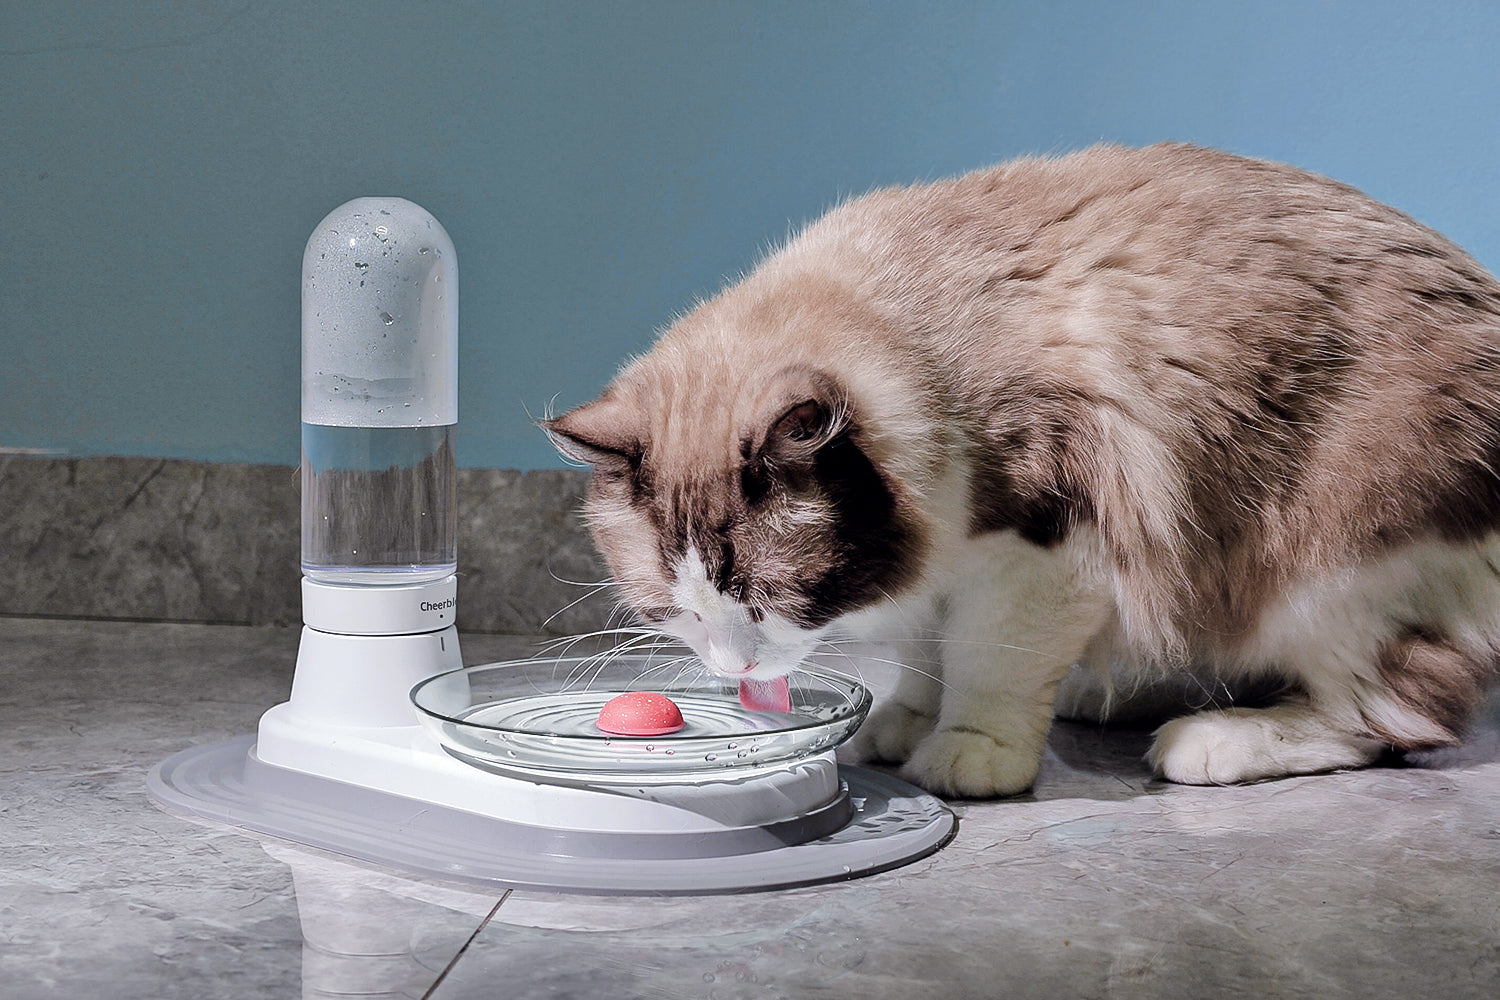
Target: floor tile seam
point(463, 949)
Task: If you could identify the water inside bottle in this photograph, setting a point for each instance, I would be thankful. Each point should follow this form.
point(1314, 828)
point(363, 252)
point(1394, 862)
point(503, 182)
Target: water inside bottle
point(378, 504)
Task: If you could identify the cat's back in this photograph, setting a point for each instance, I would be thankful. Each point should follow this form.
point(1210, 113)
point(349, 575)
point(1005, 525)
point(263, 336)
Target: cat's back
point(1168, 225)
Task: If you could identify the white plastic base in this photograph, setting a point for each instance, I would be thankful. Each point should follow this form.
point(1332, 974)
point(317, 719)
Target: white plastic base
point(881, 824)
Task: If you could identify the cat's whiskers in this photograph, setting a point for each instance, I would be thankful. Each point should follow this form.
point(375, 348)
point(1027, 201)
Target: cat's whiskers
point(590, 668)
point(594, 590)
point(854, 658)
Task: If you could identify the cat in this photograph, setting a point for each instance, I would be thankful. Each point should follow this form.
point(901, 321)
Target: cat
point(1122, 411)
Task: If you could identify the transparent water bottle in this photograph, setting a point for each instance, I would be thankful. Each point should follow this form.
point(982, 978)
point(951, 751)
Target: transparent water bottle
point(379, 396)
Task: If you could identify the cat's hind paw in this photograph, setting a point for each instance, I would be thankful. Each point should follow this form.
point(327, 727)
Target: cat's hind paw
point(968, 763)
point(1228, 747)
point(890, 734)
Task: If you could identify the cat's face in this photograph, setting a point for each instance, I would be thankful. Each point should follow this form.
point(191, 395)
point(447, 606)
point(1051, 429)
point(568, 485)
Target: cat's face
point(738, 511)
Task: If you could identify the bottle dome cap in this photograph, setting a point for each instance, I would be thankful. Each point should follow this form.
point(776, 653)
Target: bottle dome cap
point(379, 318)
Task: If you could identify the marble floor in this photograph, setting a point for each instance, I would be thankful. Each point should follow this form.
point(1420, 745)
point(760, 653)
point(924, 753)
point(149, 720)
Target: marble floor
point(1102, 883)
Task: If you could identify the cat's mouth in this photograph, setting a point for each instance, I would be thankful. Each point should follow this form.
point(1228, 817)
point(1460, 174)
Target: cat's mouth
point(744, 671)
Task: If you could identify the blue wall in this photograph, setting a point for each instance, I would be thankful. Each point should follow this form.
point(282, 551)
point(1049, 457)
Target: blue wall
point(601, 165)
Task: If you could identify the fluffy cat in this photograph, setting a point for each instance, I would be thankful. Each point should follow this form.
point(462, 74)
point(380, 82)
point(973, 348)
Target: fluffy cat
point(1139, 410)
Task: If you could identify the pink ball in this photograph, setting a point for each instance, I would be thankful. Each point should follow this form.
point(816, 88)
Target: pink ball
point(640, 713)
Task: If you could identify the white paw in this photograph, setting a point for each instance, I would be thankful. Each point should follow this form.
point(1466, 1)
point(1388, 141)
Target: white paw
point(1248, 744)
point(1210, 748)
point(890, 734)
point(971, 764)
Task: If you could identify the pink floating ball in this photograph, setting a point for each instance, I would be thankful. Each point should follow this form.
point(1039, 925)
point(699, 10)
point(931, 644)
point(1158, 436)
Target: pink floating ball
point(640, 713)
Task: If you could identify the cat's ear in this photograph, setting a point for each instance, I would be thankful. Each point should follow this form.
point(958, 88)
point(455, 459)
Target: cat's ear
point(812, 413)
point(598, 434)
point(807, 421)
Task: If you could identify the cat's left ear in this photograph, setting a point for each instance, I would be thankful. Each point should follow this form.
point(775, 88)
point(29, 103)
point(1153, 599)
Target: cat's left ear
point(597, 434)
point(812, 412)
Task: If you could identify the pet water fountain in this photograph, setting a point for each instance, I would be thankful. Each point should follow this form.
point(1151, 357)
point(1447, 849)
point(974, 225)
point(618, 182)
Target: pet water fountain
point(391, 751)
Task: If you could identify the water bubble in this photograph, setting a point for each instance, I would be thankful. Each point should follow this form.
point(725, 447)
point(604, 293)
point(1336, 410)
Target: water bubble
point(422, 249)
point(386, 318)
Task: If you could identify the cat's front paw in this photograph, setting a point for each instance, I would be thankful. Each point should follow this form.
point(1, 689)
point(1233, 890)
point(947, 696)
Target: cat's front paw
point(890, 734)
point(967, 763)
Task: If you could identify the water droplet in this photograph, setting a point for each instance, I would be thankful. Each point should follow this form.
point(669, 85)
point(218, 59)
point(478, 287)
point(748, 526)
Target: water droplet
point(711, 757)
point(671, 752)
point(381, 233)
point(422, 249)
point(708, 977)
point(650, 748)
point(386, 318)
point(734, 746)
point(361, 266)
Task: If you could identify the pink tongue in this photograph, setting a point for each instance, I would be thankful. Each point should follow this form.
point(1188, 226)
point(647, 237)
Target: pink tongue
point(774, 695)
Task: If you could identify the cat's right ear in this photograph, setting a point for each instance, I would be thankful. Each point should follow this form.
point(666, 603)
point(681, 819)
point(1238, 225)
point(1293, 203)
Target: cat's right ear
point(596, 434)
